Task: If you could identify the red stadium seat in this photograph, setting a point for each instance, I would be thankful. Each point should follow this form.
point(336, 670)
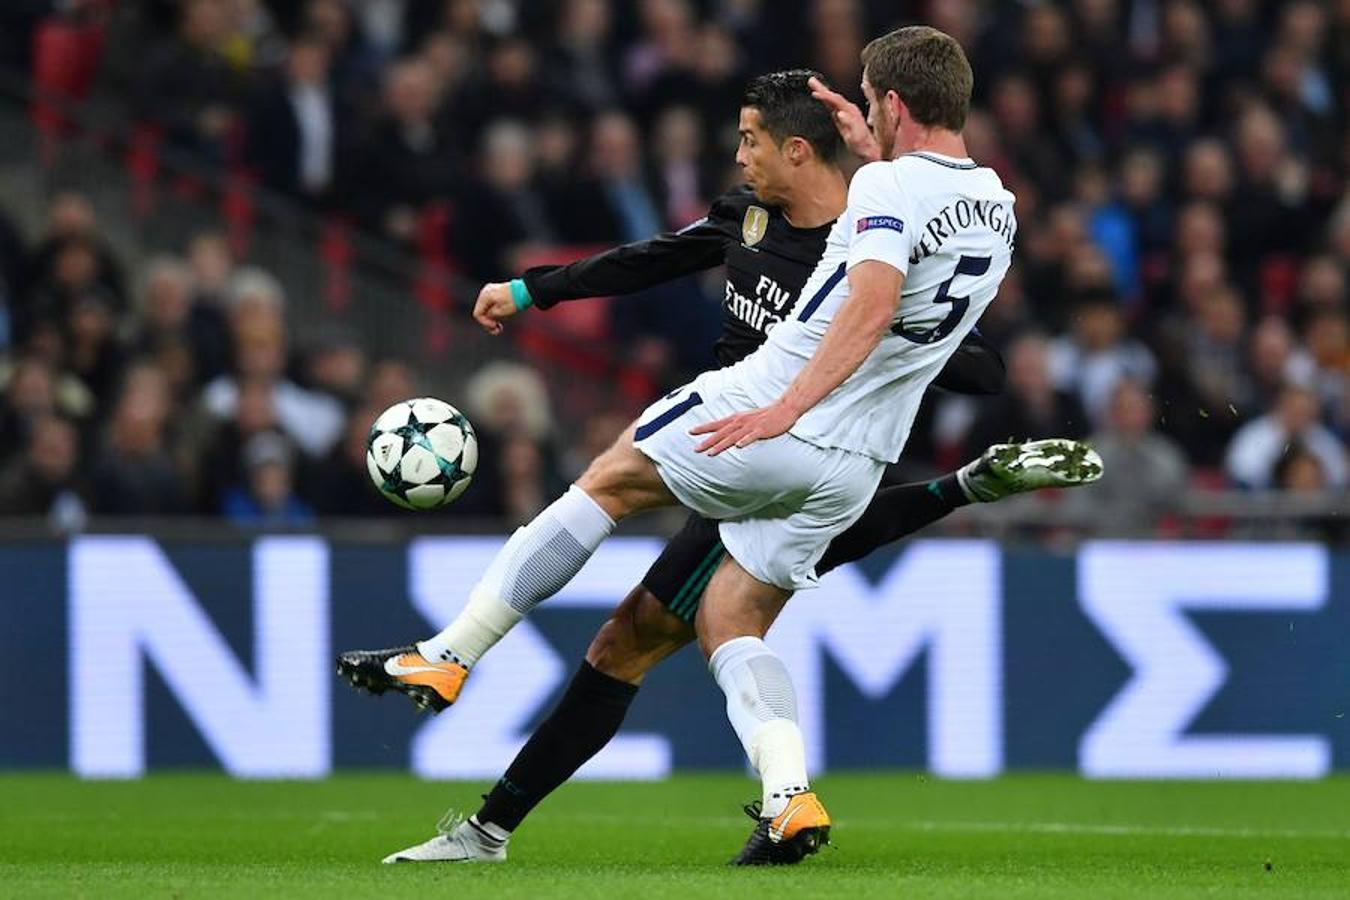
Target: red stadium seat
point(335, 253)
point(65, 57)
point(1279, 282)
point(238, 208)
point(432, 287)
point(142, 163)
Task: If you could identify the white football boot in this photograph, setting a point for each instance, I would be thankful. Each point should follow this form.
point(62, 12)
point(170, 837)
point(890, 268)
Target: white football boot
point(1007, 469)
point(461, 840)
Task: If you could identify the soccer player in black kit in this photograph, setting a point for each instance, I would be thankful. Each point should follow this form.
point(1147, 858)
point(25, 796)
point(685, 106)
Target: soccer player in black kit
point(770, 234)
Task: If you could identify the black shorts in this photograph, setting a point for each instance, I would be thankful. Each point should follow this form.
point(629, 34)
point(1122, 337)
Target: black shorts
point(685, 566)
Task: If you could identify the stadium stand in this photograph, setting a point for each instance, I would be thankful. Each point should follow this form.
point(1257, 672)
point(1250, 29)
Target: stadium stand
point(260, 222)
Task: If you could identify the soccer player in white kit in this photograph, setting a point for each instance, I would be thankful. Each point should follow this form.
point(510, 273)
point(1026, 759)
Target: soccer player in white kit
point(786, 447)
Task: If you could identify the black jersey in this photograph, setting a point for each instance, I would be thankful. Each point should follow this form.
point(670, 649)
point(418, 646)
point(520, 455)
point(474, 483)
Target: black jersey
point(768, 261)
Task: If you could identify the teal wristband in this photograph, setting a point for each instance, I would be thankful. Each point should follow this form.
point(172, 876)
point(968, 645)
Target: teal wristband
point(520, 294)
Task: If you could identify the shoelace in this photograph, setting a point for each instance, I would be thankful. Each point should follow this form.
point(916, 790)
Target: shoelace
point(753, 809)
point(452, 819)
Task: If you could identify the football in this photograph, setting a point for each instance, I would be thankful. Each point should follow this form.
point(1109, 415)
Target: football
point(421, 453)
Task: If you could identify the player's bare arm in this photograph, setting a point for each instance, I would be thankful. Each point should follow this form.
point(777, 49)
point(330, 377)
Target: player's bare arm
point(874, 293)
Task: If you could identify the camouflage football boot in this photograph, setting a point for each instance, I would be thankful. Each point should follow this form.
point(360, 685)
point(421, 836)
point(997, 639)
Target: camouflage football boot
point(1007, 469)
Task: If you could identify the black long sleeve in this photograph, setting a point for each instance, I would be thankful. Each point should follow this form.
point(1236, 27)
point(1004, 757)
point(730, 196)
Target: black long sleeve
point(975, 368)
point(634, 267)
point(784, 254)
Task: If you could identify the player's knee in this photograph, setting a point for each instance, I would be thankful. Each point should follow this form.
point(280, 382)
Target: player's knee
point(623, 481)
point(654, 625)
point(736, 605)
point(715, 628)
point(610, 653)
point(641, 633)
point(608, 476)
point(602, 478)
point(714, 635)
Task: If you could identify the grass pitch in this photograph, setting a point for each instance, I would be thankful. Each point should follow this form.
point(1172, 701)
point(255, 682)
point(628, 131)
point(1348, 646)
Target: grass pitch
point(895, 835)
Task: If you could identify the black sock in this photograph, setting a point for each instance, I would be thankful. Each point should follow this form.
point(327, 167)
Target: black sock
point(585, 719)
point(893, 513)
point(948, 487)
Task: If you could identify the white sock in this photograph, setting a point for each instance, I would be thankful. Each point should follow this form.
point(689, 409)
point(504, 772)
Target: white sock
point(483, 621)
point(963, 481)
point(762, 707)
point(488, 833)
point(535, 564)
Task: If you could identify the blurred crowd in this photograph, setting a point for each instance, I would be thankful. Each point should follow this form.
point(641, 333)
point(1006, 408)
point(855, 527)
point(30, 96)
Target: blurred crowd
point(1179, 294)
point(183, 392)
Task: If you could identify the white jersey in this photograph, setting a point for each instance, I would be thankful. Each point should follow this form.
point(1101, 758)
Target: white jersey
point(948, 226)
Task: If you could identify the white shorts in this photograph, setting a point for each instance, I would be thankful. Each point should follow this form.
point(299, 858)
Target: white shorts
point(779, 502)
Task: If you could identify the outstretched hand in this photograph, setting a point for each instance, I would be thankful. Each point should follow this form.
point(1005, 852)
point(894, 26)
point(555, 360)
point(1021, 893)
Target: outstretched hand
point(494, 304)
point(849, 120)
point(744, 428)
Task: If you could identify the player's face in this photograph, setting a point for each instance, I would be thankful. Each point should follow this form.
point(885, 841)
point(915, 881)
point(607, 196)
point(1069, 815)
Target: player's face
point(760, 158)
point(878, 120)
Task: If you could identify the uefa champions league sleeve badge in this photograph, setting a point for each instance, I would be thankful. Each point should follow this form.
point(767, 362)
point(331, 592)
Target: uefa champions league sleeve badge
point(754, 226)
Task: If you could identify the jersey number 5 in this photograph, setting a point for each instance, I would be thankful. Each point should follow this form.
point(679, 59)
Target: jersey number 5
point(966, 265)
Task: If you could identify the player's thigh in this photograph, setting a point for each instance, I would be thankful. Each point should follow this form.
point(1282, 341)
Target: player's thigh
point(736, 604)
point(624, 481)
point(680, 574)
point(640, 634)
point(740, 481)
point(783, 549)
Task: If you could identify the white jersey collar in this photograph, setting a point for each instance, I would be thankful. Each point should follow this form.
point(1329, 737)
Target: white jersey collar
point(951, 162)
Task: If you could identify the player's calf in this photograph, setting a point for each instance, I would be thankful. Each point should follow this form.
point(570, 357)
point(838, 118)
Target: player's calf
point(641, 632)
point(536, 562)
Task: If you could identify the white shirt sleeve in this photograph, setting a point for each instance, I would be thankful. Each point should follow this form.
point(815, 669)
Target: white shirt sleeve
point(878, 218)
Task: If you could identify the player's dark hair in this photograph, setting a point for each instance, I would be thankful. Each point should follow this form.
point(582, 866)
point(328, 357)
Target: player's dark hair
point(788, 110)
point(928, 70)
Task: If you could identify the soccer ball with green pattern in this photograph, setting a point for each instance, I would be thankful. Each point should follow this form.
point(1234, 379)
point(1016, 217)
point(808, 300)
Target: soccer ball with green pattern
point(421, 453)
